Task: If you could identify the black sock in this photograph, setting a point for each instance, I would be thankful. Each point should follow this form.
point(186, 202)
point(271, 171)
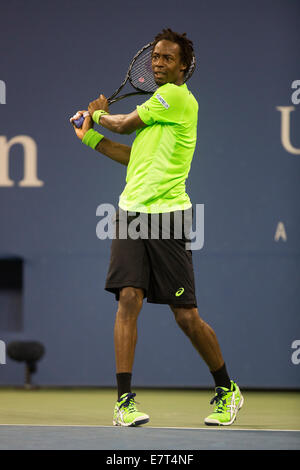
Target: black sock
point(221, 377)
point(123, 383)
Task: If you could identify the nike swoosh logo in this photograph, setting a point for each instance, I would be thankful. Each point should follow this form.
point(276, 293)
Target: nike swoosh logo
point(179, 292)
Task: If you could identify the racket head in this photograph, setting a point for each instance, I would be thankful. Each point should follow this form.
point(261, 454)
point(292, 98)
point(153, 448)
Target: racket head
point(140, 73)
point(191, 69)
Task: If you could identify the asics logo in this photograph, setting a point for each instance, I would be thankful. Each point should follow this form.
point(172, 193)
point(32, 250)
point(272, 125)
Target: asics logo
point(179, 292)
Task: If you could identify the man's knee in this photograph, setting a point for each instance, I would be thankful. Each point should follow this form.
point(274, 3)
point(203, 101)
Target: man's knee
point(185, 316)
point(131, 300)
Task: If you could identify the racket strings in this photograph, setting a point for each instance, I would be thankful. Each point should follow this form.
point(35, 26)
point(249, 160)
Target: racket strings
point(141, 75)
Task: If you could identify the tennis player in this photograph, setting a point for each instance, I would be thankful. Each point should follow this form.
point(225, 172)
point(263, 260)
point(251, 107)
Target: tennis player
point(158, 165)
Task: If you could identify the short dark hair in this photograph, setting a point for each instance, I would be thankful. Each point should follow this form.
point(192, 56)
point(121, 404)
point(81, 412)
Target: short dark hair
point(186, 45)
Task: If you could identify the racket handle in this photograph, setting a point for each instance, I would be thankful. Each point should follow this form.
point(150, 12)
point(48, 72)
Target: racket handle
point(78, 122)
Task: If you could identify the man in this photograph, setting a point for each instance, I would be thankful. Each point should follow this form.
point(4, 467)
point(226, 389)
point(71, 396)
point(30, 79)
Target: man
point(161, 269)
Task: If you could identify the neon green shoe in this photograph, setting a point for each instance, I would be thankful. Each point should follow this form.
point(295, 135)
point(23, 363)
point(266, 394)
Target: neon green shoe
point(228, 403)
point(126, 413)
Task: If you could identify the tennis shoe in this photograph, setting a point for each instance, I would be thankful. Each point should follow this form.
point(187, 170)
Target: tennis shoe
point(228, 403)
point(126, 413)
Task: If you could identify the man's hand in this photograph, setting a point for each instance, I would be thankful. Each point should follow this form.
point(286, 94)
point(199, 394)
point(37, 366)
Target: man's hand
point(99, 103)
point(87, 124)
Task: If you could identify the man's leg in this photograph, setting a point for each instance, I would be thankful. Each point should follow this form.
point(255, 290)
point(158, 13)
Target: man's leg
point(125, 337)
point(204, 340)
point(228, 398)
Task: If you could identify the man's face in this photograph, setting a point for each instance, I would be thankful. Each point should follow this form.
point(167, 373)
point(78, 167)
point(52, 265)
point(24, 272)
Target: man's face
point(167, 65)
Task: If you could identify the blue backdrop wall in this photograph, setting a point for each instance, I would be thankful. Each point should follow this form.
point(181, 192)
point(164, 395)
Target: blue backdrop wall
point(58, 56)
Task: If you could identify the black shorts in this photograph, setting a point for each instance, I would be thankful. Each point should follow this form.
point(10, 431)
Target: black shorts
point(151, 254)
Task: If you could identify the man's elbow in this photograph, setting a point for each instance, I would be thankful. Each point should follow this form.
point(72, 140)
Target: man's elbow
point(130, 123)
point(125, 128)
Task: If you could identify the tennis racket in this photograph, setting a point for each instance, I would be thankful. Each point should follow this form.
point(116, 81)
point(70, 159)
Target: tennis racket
point(140, 77)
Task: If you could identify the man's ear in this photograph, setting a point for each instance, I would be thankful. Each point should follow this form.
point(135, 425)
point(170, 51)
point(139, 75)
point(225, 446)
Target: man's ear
point(183, 68)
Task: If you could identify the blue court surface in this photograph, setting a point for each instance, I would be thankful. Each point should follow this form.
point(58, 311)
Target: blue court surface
point(26, 437)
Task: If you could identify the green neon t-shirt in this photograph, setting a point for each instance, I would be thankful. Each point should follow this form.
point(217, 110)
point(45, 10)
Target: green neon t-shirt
point(162, 152)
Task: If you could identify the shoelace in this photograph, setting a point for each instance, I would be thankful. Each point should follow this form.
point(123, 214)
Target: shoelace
point(220, 402)
point(130, 403)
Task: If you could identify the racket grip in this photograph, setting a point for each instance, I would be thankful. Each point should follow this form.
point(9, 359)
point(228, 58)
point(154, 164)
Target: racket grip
point(78, 122)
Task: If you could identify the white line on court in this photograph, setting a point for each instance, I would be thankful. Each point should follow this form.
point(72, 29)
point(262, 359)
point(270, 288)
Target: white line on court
point(208, 428)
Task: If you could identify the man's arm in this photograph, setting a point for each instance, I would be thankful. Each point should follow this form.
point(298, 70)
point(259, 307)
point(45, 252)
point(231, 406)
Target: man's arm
point(118, 152)
point(119, 123)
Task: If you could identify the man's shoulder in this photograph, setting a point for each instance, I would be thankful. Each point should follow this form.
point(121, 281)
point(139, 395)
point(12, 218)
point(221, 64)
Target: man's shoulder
point(171, 89)
point(174, 92)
